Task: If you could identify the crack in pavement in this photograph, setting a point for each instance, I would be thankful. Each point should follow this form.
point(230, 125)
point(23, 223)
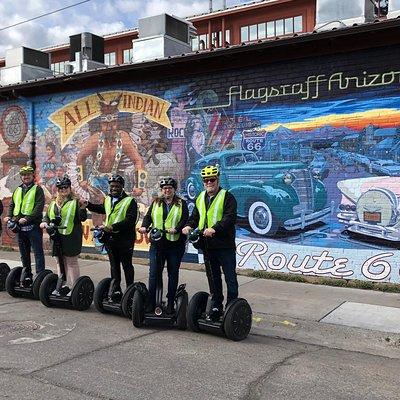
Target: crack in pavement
point(34, 374)
point(57, 385)
point(254, 387)
point(245, 283)
point(74, 389)
point(77, 356)
point(13, 302)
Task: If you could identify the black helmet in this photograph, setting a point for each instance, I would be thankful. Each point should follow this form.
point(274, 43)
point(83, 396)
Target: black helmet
point(168, 182)
point(63, 182)
point(116, 178)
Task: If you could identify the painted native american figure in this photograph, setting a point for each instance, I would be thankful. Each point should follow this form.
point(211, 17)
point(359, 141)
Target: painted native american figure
point(111, 151)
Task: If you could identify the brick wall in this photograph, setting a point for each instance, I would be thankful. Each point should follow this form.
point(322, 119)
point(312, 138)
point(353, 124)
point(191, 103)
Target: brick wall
point(308, 147)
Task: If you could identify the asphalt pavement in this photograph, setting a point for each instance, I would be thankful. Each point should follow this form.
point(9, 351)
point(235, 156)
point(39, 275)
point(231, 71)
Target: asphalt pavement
point(301, 332)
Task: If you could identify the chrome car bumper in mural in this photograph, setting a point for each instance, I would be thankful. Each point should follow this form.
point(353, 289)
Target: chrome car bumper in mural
point(371, 207)
point(305, 220)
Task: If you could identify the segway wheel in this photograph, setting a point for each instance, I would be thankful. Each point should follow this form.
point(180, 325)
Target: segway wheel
point(100, 294)
point(4, 271)
point(181, 307)
point(82, 293)
point(237, 320)
point(49, 283)
point(38, 281)
point(137, 309)
point(126, 304)
point(13, 280)
point(196, 308)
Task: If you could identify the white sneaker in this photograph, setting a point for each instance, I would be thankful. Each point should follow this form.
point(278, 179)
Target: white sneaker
point(55, 292)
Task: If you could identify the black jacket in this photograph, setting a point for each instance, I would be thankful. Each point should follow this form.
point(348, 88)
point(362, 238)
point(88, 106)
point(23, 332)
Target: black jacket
point(124, 234)
point(225, 231)
point(37, 212)
point(147, 221)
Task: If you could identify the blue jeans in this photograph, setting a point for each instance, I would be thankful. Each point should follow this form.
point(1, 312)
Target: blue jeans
point(173, 256)
point(34, 239)
point(225, 258)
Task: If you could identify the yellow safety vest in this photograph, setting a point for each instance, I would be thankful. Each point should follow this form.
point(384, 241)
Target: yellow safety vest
point(214, 212)
point(26, 204)
point(68, 210)
point(118, 214)
point(173, 217)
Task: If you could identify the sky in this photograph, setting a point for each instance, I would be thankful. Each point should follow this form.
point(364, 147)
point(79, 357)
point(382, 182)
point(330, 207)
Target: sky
point(97, 16)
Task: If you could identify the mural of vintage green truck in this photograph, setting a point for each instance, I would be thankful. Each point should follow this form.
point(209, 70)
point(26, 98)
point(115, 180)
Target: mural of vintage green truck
point(270, 194)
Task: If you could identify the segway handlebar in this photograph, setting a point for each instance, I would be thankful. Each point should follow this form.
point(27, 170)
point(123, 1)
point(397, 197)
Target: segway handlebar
point(53, 228)
point(194, 235)
point(156, 234)
point(13, 226)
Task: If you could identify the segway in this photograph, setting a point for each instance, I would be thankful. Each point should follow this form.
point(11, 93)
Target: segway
point(4, 271)
point(141, 297)
point(53, 292)
point(20, 281)
point(234, 323)
point(105, 298)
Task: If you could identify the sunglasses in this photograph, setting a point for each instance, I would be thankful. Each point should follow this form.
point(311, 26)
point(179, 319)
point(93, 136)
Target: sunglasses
point(62, 187)
point(209, 180)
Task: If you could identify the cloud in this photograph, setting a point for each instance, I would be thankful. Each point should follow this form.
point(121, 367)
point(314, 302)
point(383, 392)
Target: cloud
point(97, 16)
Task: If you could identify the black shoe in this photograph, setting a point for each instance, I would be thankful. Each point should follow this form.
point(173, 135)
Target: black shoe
point(170, 308)
point(64, 290)
point(26, 282)
point(115, 297)
point(215, 314)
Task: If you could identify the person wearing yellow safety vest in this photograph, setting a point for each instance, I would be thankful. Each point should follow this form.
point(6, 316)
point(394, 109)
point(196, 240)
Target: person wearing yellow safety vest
point(64, 211)
point(215, 214)
point(26, 208)
point(167, 212)
point(120, 226)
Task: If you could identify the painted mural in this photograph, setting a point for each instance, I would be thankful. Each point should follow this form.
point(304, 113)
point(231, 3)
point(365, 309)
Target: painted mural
point(314, 163)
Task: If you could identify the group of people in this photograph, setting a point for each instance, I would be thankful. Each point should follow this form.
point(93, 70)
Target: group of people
point(214, 214)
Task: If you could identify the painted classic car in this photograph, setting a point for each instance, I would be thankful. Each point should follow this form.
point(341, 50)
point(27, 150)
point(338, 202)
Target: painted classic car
point(270, 194)
point(385, 167)
point(371, 206)
point(319, 166)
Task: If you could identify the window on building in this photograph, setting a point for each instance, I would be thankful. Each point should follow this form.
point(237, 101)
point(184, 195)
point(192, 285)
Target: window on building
point(261, 31)
point(227, 37)
point(288, 26)
point(195, 43)
point(298, 24)
point(127, 54)
point(271, 29)
point(279, 27)
point(109, 58)
point(216, 39)
point(381, 8)
point(201, 42)
point(244, 34)
point(253, 32)
point(58, 68)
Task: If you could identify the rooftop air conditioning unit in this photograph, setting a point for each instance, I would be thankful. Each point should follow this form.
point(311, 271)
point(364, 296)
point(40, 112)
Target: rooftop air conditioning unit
point(341, 13)
point(25, 64)
point(394, 9)
point(86, 52)
point(162, 36)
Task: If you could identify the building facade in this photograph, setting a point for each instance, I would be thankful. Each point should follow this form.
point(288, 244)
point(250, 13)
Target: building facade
point(305, 129)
